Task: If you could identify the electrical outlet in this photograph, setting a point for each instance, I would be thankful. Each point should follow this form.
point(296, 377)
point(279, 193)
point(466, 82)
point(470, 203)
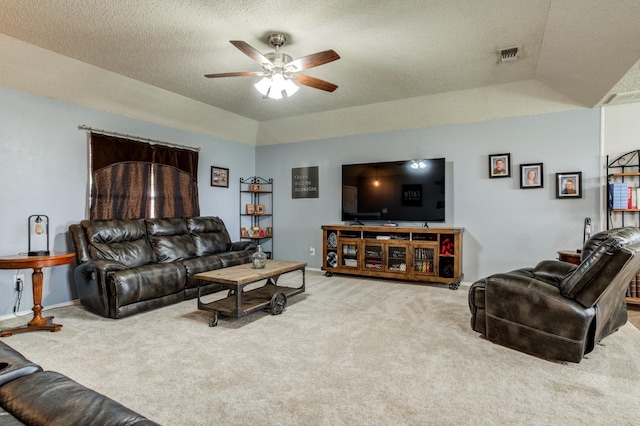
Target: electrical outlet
point(18, 282)
point(312, 251)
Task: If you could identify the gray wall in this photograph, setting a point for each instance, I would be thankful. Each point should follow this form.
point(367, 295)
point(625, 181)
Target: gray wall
point(44, 171)
point(505, 227)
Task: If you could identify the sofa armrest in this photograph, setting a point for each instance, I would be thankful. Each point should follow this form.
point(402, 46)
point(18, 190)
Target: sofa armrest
point(249, 246)
point(13, 364)
point(80, 243)
point(91, 283)
point(553, 271)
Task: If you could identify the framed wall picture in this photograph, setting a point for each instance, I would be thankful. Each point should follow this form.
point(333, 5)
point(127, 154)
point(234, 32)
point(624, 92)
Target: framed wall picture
point(499, 165)
point(304, 182)
point(219, 177)
point(569, 185)
point(531, 176)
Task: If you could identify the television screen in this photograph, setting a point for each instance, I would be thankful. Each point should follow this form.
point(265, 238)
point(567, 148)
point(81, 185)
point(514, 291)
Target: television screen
point(410, 190)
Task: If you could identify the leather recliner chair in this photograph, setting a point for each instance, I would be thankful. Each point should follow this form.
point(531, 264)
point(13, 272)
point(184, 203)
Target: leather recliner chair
point(556, 310)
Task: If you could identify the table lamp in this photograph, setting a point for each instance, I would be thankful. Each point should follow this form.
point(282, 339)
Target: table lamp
point(38, 235)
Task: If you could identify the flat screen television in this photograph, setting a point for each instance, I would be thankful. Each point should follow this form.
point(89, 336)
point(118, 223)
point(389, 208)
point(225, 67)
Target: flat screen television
point(394, 191)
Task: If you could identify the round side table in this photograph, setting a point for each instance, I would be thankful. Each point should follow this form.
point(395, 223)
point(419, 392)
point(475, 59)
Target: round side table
point(571, 256)
point(38, 322)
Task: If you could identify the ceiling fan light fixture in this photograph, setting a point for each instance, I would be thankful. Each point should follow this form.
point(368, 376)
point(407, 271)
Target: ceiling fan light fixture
point(290, 87)
point(272, 86)
point(418, 164)
point(277, 86)
point(263, 86)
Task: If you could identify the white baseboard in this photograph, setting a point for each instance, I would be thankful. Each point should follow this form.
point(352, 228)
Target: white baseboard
point(29, 312)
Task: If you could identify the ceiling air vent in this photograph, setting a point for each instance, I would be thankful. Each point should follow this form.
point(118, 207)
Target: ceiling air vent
point(510, 54)
point(624, 98)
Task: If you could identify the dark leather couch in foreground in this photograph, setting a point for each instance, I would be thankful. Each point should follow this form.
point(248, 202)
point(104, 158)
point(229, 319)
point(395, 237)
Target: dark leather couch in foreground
point(130, 266)
point(30, 396)
point(557, 310)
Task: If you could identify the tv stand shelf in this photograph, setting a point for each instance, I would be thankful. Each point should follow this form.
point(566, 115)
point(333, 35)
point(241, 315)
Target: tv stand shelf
point(428, 255)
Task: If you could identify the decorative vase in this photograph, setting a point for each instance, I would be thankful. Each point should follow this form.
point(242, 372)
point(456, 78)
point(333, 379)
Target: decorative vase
point(259, 259)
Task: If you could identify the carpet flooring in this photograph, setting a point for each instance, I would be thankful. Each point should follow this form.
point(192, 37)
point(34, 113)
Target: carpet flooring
point(347, 351)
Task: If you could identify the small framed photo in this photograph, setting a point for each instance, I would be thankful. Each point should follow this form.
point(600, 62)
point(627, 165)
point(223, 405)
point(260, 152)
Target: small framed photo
point(269, 232)
point(531, 176)
point(255, 232)
point(569, 185)
point(499, 165)
point(255, 187)
point(244, 233)
point(260, 209)
point(251, 209)
point(219, 177)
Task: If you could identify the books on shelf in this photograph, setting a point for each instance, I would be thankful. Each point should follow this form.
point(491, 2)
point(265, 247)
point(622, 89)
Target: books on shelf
point(619, 193)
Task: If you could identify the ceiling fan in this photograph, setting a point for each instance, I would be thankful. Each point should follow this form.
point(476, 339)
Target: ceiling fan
point(280, 71)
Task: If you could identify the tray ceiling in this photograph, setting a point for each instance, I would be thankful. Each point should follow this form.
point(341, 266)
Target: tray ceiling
point(389, 51)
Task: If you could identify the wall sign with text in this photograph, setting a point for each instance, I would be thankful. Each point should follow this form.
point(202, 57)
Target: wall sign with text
point(304, 182)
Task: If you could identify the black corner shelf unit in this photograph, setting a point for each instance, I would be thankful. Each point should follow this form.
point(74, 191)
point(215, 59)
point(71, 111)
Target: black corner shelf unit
point(623, 169)
point(256, 212)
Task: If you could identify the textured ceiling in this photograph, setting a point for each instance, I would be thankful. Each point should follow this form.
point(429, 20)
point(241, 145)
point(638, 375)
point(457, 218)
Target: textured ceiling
point(585, 49)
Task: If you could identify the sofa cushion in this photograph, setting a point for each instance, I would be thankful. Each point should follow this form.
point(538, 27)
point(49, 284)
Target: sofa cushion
point(124, 241)
point(209, 235)
point(200, 264)
point(13, 365)
point(170, 239)
point(145, 282)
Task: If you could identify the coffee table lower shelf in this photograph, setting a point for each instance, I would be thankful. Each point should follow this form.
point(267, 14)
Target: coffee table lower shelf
point(237, 305)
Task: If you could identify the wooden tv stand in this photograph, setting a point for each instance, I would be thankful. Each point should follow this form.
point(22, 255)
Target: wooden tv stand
point(429, 255)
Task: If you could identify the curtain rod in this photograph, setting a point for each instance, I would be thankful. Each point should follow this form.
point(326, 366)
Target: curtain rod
point(107, 132)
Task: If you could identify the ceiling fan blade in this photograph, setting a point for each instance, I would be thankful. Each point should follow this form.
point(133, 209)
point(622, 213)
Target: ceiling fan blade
point(234, 74)
point(312, 60)
point(316, 83)
point(252, 53)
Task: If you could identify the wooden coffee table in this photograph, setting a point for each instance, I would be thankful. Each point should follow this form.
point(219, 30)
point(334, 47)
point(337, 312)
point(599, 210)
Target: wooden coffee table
point(238, 302)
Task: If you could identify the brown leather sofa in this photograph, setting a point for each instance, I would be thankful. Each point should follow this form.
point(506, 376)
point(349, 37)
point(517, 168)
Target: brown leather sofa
point(130, 266)
point(30, 396)
point(557, 310)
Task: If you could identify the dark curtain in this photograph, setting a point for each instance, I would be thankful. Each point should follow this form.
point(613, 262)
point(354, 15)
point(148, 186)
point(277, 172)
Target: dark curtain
point(132, 179)
point(119, 191)
point(179, 197)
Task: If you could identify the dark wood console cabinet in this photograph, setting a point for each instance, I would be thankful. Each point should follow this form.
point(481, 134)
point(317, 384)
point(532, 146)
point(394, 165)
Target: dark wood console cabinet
point(430, 255)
